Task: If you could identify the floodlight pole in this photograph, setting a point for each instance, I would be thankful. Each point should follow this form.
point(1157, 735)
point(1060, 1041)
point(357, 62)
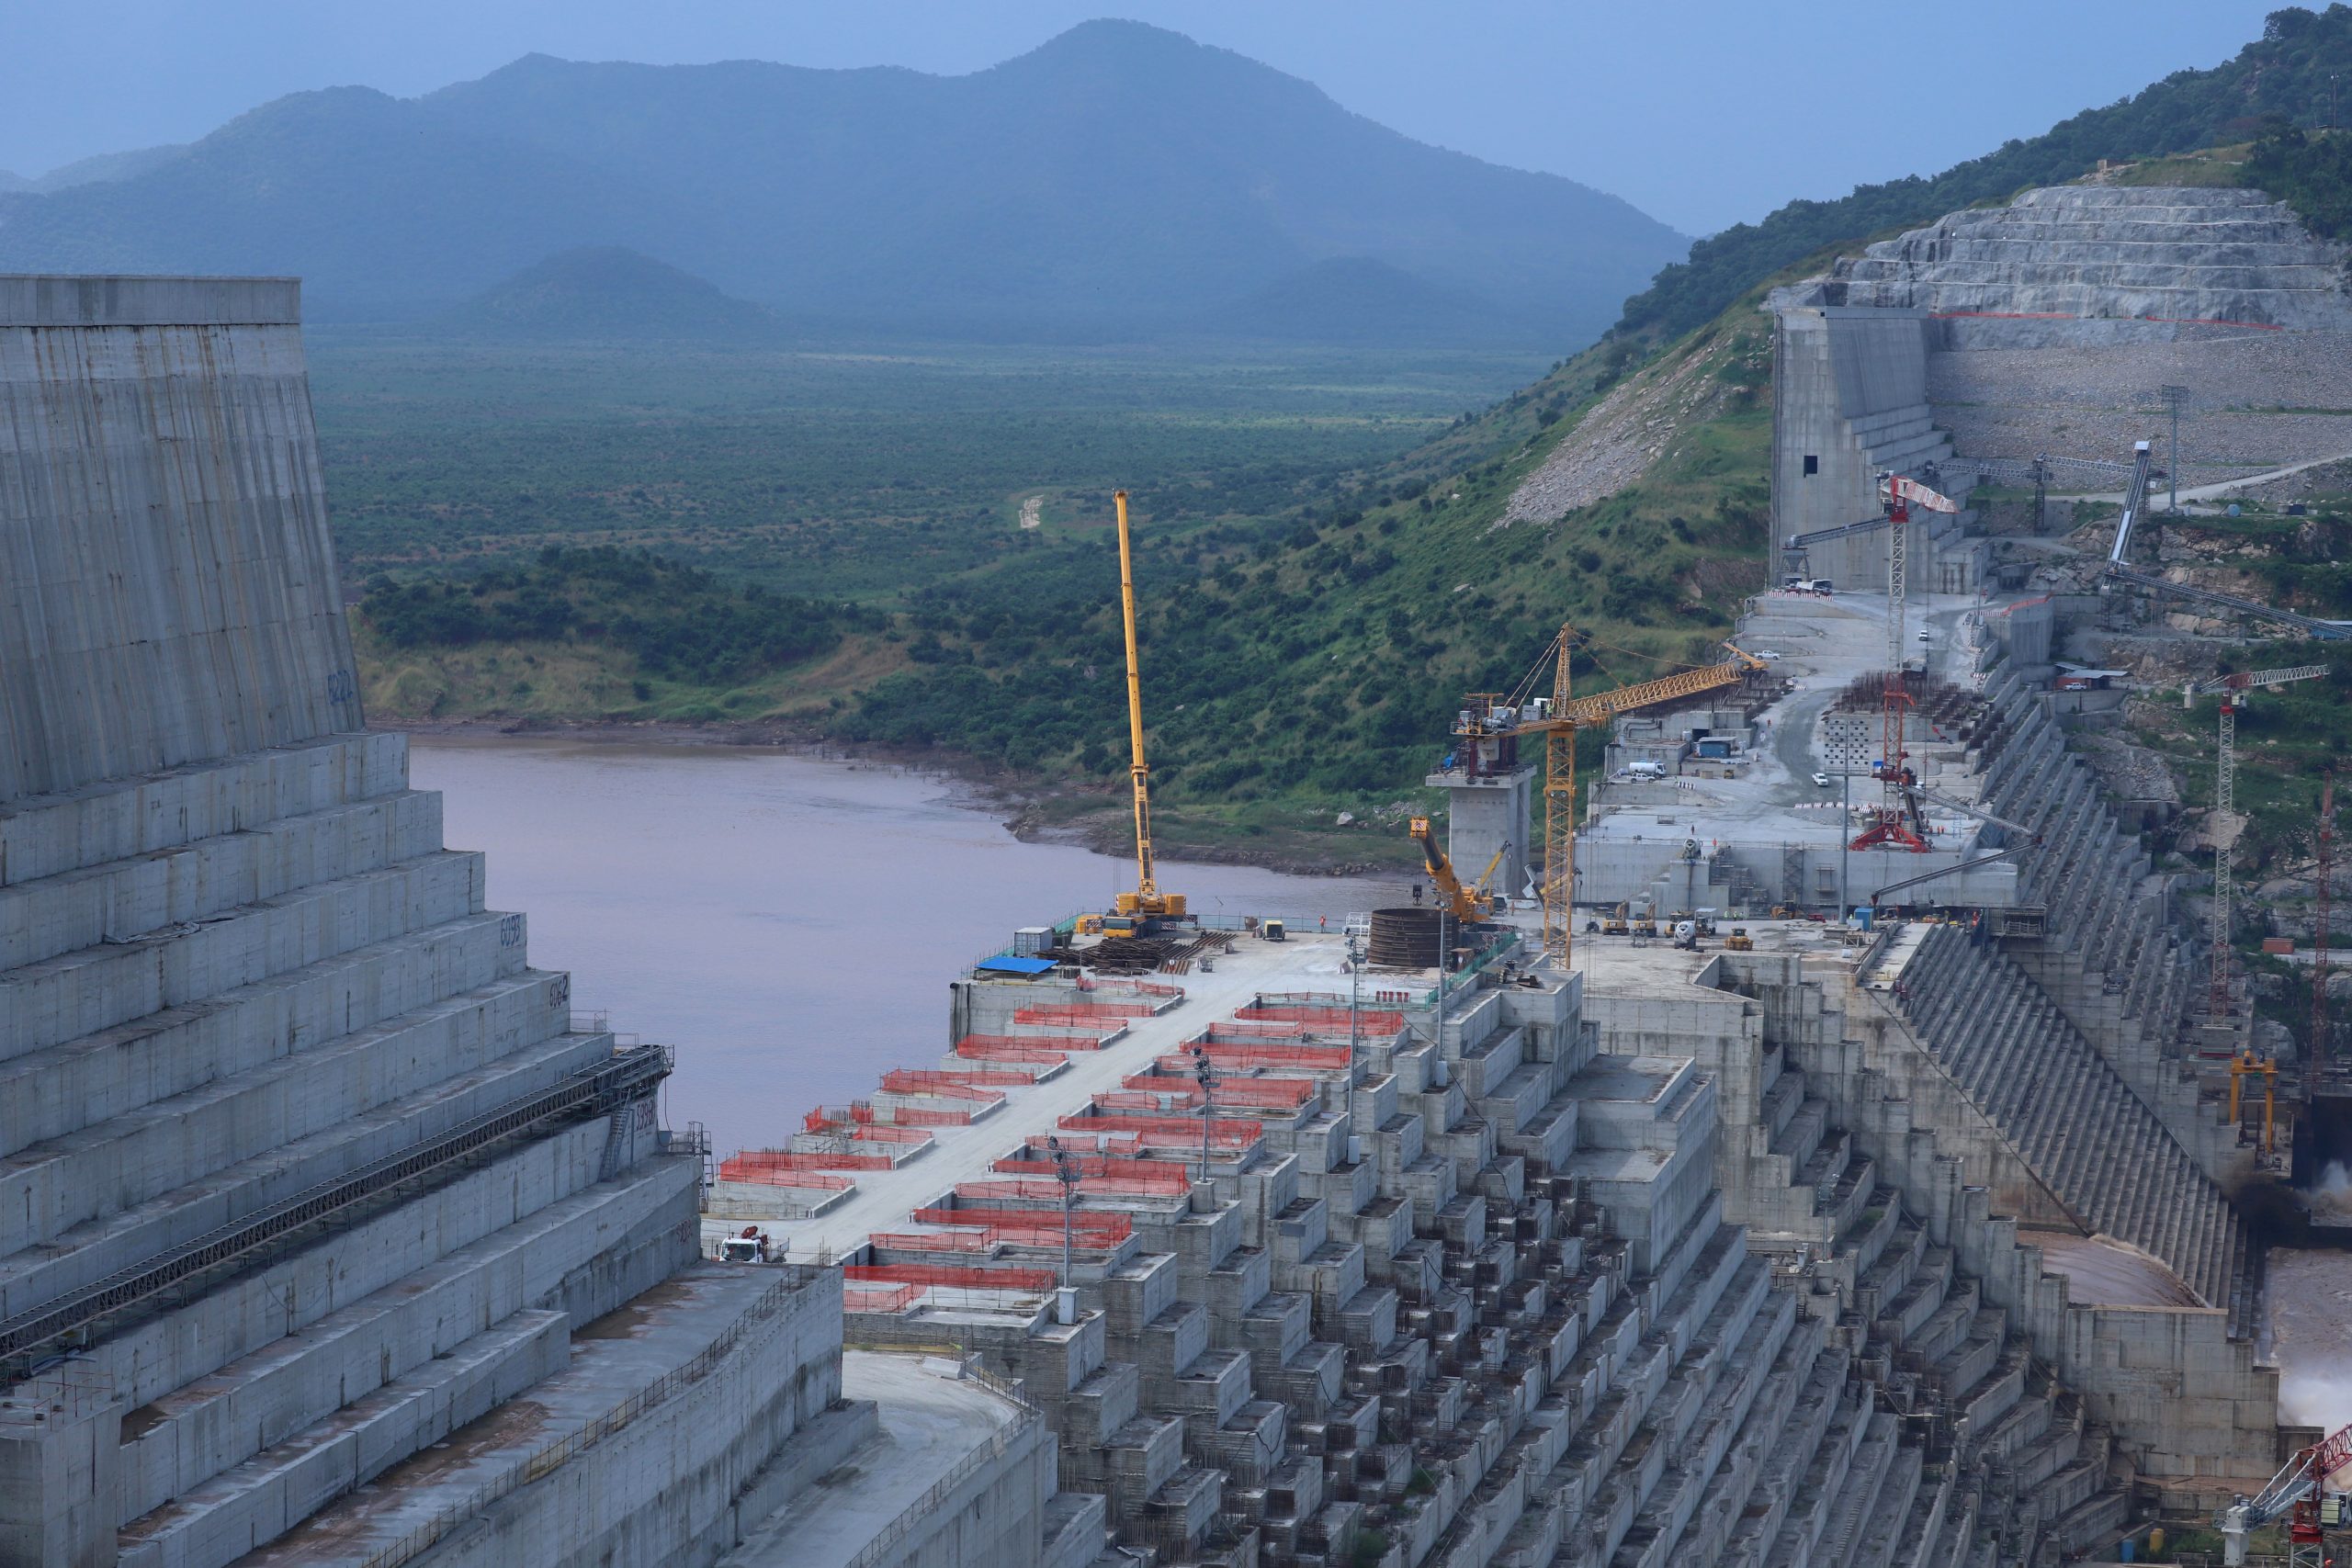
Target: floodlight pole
point(1355, 995)
point(1066, 1171)
point(1205, 1075)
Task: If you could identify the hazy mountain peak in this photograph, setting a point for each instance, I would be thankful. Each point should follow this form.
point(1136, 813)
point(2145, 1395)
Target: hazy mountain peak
point(1119, 178)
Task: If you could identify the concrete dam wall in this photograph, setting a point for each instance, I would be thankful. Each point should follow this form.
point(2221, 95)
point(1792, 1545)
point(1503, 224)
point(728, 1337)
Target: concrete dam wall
point(328, 1233)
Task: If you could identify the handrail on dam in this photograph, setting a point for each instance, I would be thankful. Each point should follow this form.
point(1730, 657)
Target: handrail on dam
point(596, 1091)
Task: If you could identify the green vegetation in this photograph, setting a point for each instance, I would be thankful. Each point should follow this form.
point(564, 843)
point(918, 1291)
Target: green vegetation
point(2310, 173)
point(2283, 75)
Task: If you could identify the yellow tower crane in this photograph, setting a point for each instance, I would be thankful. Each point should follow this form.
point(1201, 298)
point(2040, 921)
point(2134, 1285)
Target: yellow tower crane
point(1146, 902)
point(1563, 714)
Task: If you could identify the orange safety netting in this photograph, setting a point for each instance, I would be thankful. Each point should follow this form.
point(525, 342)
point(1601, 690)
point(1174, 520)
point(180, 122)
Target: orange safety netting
point(884, 1133)
point(911, 1080)
point(1281, 1092)
point(899, 1298)
point(1179, 1128)
point(1088, 1012)
point(1268, 1055)
point(745, 1167)
point(932, 1241)
point(1105, 1222)
point(1131, 987)
point(941, 1086)
point(1128, 1177)
point(920, 1116)
point(1370, 1020)
point(1056, 1041)
point(800, 1180)
point(948, 1274)
point(999, 1048)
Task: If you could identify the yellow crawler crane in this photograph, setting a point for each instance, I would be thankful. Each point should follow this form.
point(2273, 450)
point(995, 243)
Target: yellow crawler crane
point(1463, 903)
point(1566, 715)
point(1146, 902)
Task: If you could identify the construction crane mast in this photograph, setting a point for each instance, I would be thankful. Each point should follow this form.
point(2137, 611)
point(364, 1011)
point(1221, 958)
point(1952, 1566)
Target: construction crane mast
point(2294, 1491)
point(1557, 719)
point(2315, 1054)
point(2234, 691)
point(1896, 818)
point(1147, 901)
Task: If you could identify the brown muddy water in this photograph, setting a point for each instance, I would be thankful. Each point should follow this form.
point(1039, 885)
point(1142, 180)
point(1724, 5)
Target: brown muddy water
point(790, 924)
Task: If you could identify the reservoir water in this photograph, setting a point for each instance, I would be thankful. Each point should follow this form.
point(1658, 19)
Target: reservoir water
point(788, 923)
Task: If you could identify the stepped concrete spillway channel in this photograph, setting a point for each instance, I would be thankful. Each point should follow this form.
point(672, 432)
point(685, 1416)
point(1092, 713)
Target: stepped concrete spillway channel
point(1831, 1250)
point(328, 1233)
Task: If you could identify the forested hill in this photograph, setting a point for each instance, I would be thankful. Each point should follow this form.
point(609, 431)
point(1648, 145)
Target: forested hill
point(1120, 178)
point(2280, 77)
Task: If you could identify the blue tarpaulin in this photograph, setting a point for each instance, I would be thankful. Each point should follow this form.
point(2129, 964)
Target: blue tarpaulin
point(1011, 965)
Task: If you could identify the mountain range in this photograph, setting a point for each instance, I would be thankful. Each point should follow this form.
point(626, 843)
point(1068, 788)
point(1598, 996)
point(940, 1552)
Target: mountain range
point(1120, 178)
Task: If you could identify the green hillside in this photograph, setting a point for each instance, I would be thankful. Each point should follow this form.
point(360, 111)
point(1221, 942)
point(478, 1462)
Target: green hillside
point(2281, 76)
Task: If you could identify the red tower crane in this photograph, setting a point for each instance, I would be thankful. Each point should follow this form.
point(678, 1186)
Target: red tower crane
point(2295, 1490)
point(1895, 821)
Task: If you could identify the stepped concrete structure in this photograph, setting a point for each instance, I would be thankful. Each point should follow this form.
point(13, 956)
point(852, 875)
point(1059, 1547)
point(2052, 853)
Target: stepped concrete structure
point(2046, 328)
point(328, 1232)
point(2091, 265)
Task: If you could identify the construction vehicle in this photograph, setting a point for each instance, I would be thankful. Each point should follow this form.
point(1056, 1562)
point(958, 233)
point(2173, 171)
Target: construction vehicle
point(1147, 901)
point(1614, 924)
point(1739, 940)
point(1471, 903)
point(752, 1246)
point(2295, 1491)
point(1686, 935)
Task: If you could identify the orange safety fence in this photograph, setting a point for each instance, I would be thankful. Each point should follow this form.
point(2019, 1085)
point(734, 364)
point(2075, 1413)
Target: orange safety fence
point(920, 1116)
point(1091, 1164)
point(1258, 1030)
point(993, 1048)
point(944, 1089)
point(1164, 1127)
point(1034, 1181)
point(1370, 1020)
point(1130, 987)
point(1284, 1093)
point(911, 1080)
point(884, 1133)
point(1312, 1057)
point(1105, 1222)
point(899, 1298)
point(932, 1241)
point(1090, 1013)
point(1056, 1041)
point(803, 1181)
point(948, 1274)
point(738, 1167)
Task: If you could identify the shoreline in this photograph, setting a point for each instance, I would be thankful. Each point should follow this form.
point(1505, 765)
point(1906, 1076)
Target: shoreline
point(1018, 804)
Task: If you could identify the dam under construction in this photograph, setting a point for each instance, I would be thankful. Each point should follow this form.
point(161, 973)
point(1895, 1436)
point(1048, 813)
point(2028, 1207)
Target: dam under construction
point(331, 1232)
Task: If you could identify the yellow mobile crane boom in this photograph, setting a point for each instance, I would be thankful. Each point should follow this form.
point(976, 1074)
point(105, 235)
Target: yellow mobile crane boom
point(1147, 900)
point(1461, 903)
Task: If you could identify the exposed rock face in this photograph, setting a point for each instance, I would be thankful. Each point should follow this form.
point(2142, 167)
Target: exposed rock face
point(2145, 262)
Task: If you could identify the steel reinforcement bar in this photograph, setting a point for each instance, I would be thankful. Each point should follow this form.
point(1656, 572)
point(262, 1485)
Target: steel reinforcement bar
point(596, 1091)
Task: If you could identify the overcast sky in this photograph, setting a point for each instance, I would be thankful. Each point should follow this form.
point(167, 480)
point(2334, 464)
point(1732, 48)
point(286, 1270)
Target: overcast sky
point(1702, 112)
